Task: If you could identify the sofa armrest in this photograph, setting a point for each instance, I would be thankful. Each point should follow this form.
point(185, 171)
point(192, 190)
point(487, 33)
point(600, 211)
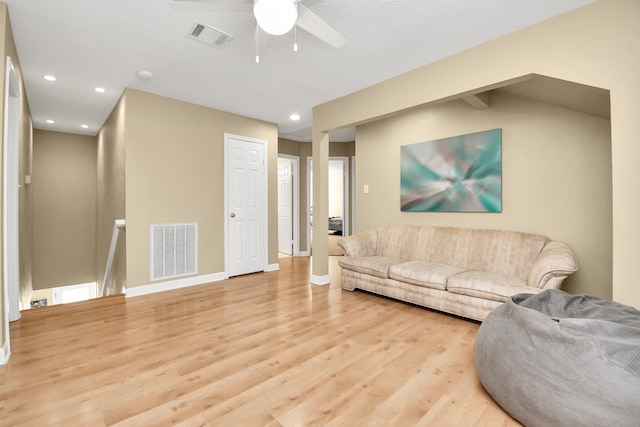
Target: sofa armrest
point(361, 244)
point(555, 263)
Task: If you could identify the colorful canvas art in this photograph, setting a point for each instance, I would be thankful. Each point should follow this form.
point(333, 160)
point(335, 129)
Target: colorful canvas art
point(457, 174)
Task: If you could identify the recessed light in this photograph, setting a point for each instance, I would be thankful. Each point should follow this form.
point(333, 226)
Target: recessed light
point(145, 75)
point(84, 126)
point(50, 121)
point(294, 117)
point(50, 78)
point(99, 89)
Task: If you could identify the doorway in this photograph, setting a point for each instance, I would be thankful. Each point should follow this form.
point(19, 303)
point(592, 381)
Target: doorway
point(11, 245)
point(11, 194)
point(288, 205)
point(339, 212)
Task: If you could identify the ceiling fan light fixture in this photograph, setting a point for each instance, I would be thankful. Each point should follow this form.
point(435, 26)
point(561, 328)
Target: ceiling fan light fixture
point(275, 17)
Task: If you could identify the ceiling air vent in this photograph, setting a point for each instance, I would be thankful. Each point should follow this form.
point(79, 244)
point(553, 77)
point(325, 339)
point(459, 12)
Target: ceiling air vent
point(209, 35)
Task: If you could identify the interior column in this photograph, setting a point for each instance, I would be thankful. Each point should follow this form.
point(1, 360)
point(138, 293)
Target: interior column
point(320, 234)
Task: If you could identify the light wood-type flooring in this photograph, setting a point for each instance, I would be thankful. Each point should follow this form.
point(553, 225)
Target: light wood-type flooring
point(265, 349)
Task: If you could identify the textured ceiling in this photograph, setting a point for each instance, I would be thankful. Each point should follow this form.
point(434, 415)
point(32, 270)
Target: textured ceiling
point(91, 43)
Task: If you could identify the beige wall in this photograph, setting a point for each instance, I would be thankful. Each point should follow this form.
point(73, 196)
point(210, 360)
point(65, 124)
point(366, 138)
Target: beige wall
point(110, 197)
point(595, 45)
point(175, 173)
point(7, 47)
point(64, 209)
point(556, 176)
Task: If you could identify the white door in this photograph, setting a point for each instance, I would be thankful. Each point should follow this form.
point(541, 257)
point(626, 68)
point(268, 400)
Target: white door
point(246, 202)
point(285, 206)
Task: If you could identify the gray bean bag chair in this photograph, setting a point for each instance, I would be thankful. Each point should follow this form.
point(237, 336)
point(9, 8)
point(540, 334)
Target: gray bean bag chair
point(555, 359)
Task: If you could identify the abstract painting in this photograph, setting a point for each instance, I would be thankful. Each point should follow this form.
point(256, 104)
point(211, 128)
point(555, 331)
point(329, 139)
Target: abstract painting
point(457, 174)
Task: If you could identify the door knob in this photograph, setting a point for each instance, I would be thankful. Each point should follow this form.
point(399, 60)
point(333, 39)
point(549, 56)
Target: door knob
point(232, 215)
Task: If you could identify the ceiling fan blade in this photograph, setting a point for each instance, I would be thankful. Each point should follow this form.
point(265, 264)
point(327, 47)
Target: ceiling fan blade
point(309, 21)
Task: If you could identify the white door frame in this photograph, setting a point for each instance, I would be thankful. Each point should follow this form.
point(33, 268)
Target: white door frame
point(265, 213)
point(346, 219)
point(345, 203)
point(10, 224)
point(295, 200)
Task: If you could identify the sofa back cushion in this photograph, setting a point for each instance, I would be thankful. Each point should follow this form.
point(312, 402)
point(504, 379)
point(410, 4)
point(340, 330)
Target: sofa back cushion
point(510, 253)
point(444, 245)
point(397, 241)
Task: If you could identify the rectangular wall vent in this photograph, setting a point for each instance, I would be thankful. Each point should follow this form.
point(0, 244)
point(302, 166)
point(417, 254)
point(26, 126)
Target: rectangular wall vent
point(209, 35)
point(174, 250)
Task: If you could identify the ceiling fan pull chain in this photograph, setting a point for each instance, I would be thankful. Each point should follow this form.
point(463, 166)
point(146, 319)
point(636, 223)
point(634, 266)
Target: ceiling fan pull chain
point(257, 43)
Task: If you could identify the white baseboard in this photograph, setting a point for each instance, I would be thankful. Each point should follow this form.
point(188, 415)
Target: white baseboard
point(272, 267)
point(320, 280)
point(173, 284)
point(5, 353)
point(304, 253)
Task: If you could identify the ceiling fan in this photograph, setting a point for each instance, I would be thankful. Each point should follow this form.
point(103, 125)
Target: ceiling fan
point(277, 17)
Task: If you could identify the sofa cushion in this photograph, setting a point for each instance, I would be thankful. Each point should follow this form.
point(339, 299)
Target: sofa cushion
point(422, 273)
point(374, 265)
point(509, 253)
point(491, 286)
point(444, 245)
point(397, 241)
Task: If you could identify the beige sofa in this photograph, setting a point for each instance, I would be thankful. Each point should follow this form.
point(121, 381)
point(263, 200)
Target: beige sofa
point(463, 271)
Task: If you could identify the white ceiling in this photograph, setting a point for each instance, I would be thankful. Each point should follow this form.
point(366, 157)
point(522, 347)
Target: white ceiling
point(91, 43)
